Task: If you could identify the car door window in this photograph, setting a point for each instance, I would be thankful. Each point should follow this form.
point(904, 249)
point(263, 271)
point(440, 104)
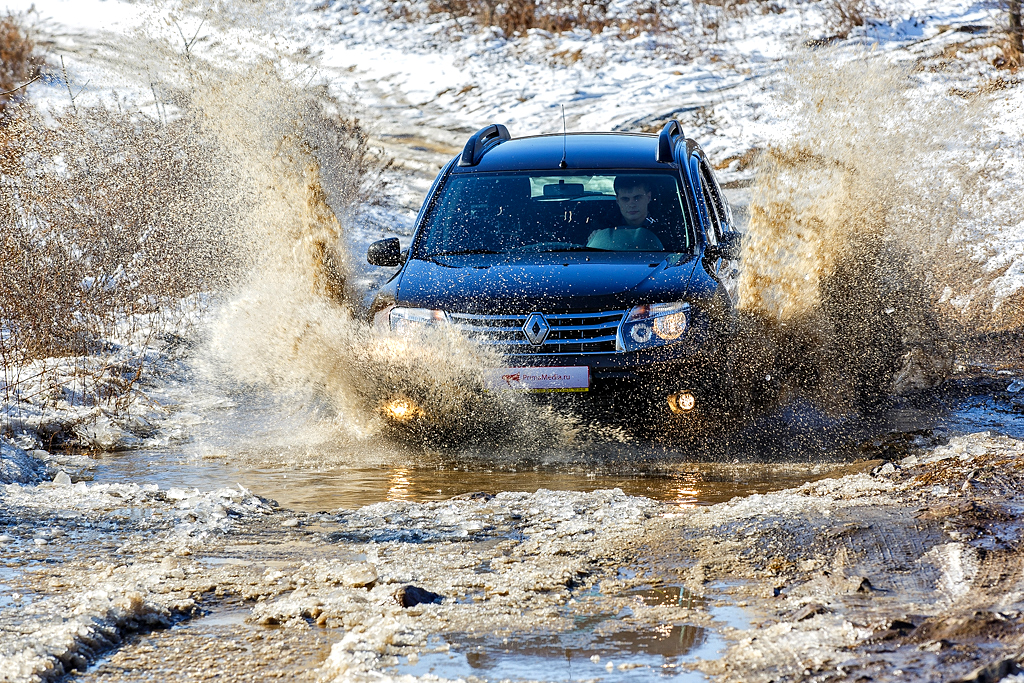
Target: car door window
point(717, 211)
point(704, 200)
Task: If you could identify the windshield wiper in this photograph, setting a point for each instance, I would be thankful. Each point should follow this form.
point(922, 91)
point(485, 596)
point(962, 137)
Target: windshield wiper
point(462, 252)
point(575, 247)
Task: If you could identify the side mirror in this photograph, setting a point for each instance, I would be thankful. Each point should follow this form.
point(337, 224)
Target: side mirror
point(728, 247)
point(385, 252)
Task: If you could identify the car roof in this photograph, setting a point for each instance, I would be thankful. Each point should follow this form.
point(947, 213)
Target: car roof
point(582, 151)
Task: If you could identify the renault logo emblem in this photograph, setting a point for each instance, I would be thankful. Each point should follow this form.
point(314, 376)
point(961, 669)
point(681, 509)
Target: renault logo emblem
point(536, 329)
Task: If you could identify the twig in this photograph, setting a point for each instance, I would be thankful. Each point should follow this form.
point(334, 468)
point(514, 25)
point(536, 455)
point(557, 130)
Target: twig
point(156, 103)
point(67, 83)
point(82, 89)
point(23, 85)
point(22, 380)
point(189, 43)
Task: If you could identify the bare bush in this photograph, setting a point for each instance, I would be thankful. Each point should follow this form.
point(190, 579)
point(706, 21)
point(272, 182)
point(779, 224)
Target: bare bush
point(842, 16)
point(630, 19)
point(1016, 32)
point(109, 218)
point(105, 220)
point(103, 210)
point(18, 62)
point(516, 17)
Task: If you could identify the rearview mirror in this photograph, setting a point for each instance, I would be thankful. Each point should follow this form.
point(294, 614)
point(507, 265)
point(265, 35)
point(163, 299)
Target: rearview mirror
point(564, 189)
point(386, 252)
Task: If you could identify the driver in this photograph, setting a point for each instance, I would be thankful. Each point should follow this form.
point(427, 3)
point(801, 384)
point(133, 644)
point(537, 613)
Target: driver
point(632, 194)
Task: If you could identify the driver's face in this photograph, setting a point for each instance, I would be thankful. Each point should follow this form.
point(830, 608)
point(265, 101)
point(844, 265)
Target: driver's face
point(633, 203)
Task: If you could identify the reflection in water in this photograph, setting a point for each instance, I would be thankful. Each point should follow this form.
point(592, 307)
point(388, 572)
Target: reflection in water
point(313, 490)
point(601, 648)
point(398, 488)
point(676, 596)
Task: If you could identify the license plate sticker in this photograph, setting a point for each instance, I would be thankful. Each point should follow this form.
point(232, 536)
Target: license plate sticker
point(575, 378)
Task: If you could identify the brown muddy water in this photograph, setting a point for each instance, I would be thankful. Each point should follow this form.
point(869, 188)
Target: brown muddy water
point(283, 455)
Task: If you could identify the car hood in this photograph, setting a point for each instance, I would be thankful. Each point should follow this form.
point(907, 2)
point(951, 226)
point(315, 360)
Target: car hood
point(549, 282)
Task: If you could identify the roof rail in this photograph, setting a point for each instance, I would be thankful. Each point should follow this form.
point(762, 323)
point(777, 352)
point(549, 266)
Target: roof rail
point(666, 142)
point(475, 146)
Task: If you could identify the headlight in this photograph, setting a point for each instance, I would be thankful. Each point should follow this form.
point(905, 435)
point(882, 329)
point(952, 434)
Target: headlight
point(653, 325)
point(413, 319)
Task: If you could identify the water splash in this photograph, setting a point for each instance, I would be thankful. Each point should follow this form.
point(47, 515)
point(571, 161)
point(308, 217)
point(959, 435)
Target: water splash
point(289, 320)
point(859, 232)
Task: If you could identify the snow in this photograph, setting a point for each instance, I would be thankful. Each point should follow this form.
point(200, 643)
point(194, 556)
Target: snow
point(16, 465)
point(95, 16)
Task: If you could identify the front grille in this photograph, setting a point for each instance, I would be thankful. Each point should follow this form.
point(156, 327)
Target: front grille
point(571, 333)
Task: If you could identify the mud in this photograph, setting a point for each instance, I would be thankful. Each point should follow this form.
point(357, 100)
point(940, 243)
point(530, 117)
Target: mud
point(910, 564)
point(912, 570)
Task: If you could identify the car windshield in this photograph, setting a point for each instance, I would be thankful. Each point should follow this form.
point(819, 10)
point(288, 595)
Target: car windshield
point(497, 213)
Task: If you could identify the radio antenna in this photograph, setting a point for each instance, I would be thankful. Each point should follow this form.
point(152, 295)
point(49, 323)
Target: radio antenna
point(562, 164)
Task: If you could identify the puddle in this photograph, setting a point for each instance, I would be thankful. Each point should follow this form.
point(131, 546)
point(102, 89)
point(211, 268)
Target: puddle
point(233, 617)
point(784, 449)
point(220, 561)
point(218, 646)
point(7, 597)
point(599, 648)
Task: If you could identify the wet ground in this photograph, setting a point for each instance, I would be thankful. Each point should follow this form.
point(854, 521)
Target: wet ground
point(193, 560)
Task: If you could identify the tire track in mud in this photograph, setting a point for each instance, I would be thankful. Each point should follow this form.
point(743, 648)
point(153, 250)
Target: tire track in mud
point(901, 574)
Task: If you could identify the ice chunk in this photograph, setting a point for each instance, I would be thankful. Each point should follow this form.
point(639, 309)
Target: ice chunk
point(359, 575)
point(16, 465)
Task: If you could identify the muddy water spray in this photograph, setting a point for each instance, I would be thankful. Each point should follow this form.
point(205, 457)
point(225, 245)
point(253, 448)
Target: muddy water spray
point(855, 228)
point(289, 323)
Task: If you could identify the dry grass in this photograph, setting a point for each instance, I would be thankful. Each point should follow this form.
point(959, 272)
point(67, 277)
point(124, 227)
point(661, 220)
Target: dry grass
point(516, 17)
point(843, 16)
point(685, 26)
point(18, 62)
point(109, 218)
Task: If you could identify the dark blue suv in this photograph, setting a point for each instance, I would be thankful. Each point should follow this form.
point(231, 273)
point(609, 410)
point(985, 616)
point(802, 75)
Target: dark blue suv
point(595, 262)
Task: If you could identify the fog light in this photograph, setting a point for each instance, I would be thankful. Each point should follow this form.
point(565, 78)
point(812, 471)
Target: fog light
point(401, 409)
point(683, 402)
